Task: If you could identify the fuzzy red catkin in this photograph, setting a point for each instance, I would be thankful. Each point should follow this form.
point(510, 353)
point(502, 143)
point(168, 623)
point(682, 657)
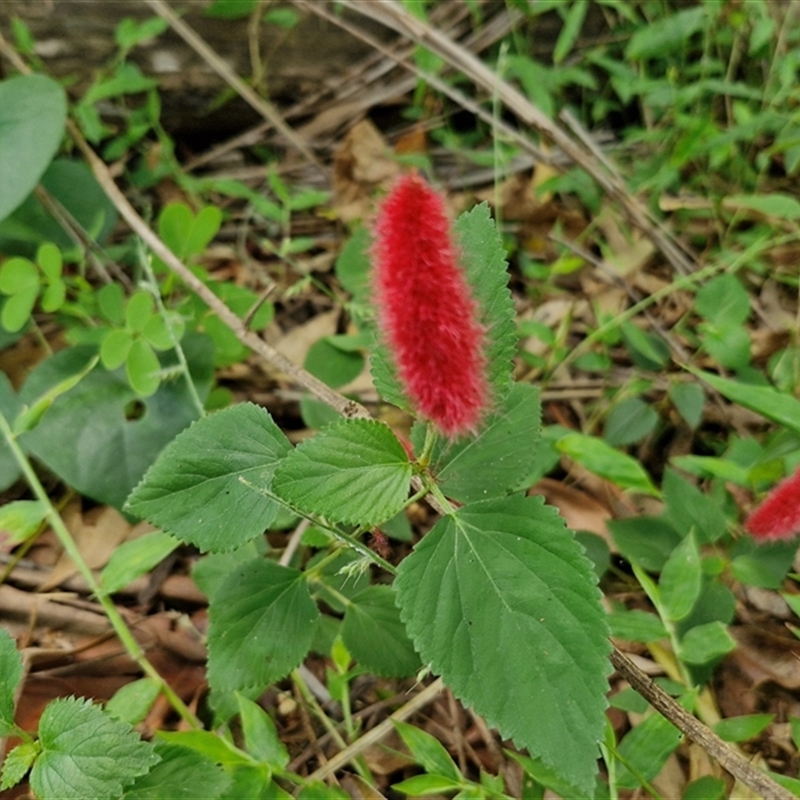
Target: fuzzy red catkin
point(426, 311)
point(778, 517)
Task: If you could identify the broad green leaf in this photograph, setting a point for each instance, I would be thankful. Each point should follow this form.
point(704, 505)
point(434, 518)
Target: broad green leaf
point(20, 519)
point(331, 364)
point(322, 791)
point(253, 782)
point(185, 233)
point(10, 676)
point(261, 625)
point(646, 749)
point(547, 777)
point(605, 461)
point(499, 459)
point(724, 300)
point(666, 34)
point(139, 309)
point(689, 399)
point(132, 702)
point(111, 301)
point(629, 421)
point(135, 558)
point(504, 576)
point(705, 643)
point(354, 471)
point(53, 296)
point(71, 184)
point(706, 788)
point(33, 110)
point(217, 748)
point(742, 728)
point(10, 408)
point(17, 275)
point(635, 625)
point(352, 265)
point(86, 753)
point(774, 204)
point(428, 751)
point(645, 541)
point(770, 403)
point(764, 565)
point(688, 507)
point(647, 351)
point(17, 309)
point(31, 416)
point(681, 579)
point(16, 764)
point(196, 489)
point(142, 367)
point(260, 735)
point(181, 774)
point(375, 635)
point(99, 437)
point(115, 347)
point(48, 257)
point(484, 260)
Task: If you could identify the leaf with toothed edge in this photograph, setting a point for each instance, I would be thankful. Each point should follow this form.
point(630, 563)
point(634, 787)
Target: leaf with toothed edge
point(504, 577)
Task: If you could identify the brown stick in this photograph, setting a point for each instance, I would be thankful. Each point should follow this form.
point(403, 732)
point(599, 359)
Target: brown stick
point(726, 755)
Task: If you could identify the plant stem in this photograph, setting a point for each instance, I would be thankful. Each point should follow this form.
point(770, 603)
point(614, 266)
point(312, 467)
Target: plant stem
point(153, 287)
point(64, 537)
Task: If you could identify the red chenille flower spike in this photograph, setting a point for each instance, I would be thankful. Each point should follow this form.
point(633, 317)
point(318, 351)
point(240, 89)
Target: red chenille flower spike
point(426, 311)
point(778, 517)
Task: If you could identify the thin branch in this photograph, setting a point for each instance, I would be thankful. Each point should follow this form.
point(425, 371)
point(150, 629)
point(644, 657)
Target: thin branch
point(394, 16)
point(377, 733)
point(223, 69)
point(727, 757)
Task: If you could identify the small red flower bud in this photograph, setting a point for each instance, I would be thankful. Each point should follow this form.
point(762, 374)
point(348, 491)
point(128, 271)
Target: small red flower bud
point(426, 311)
point(778, 517)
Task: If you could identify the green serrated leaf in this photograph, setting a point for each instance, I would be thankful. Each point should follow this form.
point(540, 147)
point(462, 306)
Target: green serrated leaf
point(375, 635)
point(16, 764)
point(10, 676)
point(86, 753)
point(195, 490)
point(181, 774)
point(428, 751)
point(135, 558)
point(260, 735)
point(505, 576)
point(484, 260)
point(605, 461)
point(770, 403)
point(499, 459)
point(132, 702)
point(681, 579)
point(354, 471)
point(261, 624)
